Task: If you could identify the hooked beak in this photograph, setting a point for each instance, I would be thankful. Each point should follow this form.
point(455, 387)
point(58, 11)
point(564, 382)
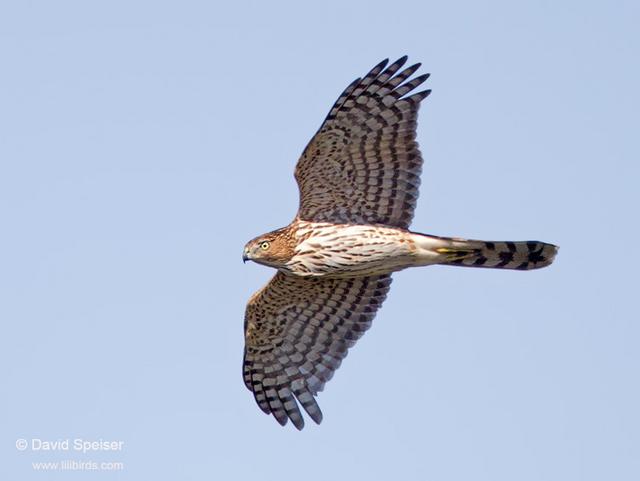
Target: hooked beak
point(245, 256)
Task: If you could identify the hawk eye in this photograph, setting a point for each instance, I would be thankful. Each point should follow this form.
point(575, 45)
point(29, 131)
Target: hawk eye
point(264, 245)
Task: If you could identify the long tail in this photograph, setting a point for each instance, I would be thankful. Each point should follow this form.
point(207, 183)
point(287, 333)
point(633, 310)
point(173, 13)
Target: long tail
point(521, 255)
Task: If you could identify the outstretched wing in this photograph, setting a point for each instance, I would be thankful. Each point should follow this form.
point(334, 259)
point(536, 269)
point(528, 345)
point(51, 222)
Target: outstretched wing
point(363, 165)
point(297, 331)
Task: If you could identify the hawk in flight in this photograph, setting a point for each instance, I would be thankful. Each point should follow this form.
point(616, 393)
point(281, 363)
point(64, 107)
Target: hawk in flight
point(358, 181)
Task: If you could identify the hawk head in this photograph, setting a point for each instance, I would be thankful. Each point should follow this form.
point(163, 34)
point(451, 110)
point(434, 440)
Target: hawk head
point(274, 249)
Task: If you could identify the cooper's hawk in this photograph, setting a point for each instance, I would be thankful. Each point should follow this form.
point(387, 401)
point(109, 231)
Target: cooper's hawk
point(358, 181)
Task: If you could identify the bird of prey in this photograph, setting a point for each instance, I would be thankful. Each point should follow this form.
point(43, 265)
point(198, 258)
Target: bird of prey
point(358, 180)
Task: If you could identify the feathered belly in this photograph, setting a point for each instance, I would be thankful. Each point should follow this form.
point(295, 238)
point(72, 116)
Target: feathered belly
point(350, 250)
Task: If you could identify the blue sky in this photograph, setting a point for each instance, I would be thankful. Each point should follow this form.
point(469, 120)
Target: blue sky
point(143, 143)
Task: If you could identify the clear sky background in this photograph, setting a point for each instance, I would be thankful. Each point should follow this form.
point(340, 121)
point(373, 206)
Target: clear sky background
point(143, 143)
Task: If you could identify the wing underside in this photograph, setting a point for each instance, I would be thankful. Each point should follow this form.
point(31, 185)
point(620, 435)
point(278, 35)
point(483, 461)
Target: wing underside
point(363, 165)
point(297, 332)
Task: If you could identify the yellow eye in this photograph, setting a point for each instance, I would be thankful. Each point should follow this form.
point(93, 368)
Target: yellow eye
point(264, 245)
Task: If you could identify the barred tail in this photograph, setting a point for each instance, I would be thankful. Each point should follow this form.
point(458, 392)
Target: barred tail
point(523, 255)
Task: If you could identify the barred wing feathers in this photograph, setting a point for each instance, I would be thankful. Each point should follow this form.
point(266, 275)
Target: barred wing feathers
point(363, 165)
point(297, 332)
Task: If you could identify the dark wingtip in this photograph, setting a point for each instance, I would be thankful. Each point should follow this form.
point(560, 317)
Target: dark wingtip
point(382, 64)
point(297, 420)
point(420, 96)
point(282, 419)
point(355, 82)
point(398, 64)
point(315, 415)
